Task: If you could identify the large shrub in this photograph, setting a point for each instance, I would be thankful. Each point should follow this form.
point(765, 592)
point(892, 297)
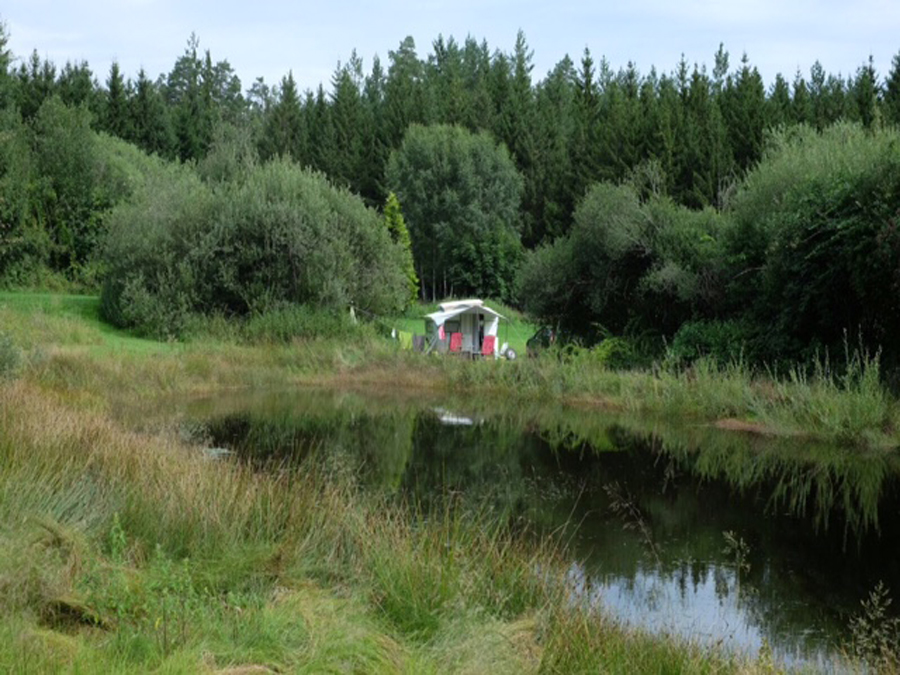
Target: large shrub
point(626, 267)
point(815, 244)
point(280, 235)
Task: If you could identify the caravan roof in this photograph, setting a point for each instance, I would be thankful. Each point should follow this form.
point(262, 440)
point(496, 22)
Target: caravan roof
point(447, 310)
point(455, 304)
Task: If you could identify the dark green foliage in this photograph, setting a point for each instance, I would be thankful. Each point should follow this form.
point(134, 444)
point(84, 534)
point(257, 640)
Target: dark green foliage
point(284, 132)
point(23, 243)
point(892, 92)
point(803, 246)
point(626, 267)
point(460, 193)
point(149, 124)
point(35, 83)
point(802, 107)
point(280, 235)
point(115, 118)
point(346, 165)
point(575, 126)
point(6, 82)
point(815, 244)
point(865, 94)
point(57, 179)
point(65, 164)
point(404, 96)
point(201, 93)
point(76, 86)
point(723, 341)
point(745, 115)
point(778, 103)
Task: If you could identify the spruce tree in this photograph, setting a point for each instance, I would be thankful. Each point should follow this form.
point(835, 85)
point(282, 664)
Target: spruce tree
point(6, 84)
point(184, 96)
point(817, 96)
point(346, 111)
point(476, 60)
point(447, 97)
point(403, 94)
point(76, 86)
point(149, 122)
point(778, 103)
point(283, 129)
point(555, 123)
point(322, 143)
point(745, 114)
point(800, 101)
point(115, 104)
point(584, 140)
point(375, 146)
point(35, 82)
point(865, 93)
point(892, 92)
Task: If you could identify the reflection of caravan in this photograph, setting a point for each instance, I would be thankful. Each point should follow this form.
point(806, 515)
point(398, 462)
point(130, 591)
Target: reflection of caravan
point(465, 327)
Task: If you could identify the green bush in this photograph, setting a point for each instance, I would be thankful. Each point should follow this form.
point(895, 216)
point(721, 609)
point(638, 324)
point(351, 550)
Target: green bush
point(281, 236)
point(722, 341)
point(627, 265)
point(615, 353)
point(815, 244)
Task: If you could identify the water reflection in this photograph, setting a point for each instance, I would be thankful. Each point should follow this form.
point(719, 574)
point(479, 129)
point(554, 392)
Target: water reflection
point(642, 505)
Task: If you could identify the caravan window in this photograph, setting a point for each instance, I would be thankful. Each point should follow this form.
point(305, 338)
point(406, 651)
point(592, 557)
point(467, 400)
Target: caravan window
point(452, 326)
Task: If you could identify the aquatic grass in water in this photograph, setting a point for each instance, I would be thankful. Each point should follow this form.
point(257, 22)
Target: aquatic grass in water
point(853, 406)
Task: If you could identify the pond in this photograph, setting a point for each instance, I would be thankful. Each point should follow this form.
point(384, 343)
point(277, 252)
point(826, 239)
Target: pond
point(723, 537)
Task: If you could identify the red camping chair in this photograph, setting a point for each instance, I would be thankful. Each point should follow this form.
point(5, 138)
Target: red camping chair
point(455, 342)
point(487, 347)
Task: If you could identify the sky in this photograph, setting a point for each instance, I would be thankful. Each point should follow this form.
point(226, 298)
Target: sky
point(268, 38)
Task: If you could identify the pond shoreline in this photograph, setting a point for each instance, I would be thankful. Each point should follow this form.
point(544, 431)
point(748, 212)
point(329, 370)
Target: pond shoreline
point(139, 530)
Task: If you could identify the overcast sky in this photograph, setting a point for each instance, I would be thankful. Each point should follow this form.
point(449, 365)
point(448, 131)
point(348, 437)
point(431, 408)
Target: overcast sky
point(267, 38)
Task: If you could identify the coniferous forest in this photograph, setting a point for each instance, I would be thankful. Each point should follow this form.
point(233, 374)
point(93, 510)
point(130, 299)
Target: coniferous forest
point(692, 206)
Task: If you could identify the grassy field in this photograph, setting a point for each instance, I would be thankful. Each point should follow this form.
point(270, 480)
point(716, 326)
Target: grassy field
point(133, 552)
point(67, 347)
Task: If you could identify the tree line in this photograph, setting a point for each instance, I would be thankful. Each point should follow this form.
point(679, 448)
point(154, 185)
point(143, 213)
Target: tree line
point(582, 123)
point(703, 210)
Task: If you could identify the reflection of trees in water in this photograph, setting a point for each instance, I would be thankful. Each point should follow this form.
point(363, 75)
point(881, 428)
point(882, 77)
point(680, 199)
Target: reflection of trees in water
point(820, 521)
point(278, 430)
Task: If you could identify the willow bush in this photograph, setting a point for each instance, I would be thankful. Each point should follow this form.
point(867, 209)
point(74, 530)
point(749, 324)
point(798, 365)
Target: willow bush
point(281, 235)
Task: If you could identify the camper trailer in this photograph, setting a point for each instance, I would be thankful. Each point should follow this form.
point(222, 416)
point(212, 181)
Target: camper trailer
point(467, 327)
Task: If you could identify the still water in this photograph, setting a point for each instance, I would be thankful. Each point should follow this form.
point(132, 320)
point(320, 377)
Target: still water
point(722, 537)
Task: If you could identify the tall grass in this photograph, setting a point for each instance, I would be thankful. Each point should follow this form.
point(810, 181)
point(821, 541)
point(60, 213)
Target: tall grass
point(128, 552)
point(851, 407)
point(63, 346)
